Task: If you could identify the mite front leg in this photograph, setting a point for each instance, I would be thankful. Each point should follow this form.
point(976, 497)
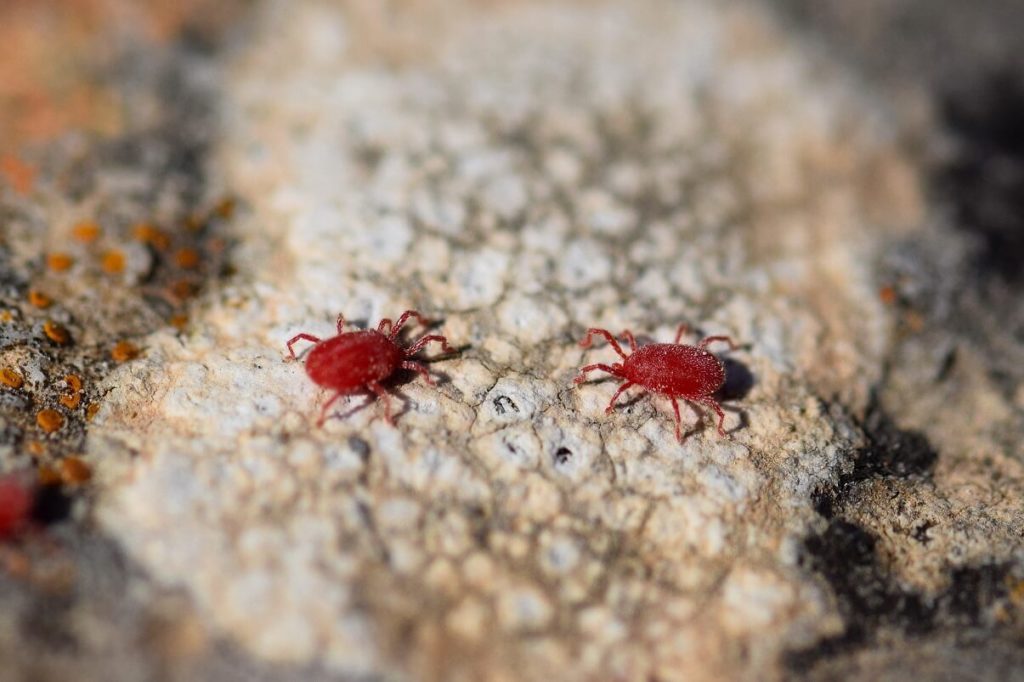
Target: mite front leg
point(586, 342)
point(445, 348)
point(611, 403)
point(419, 369)
point(630, 338)
point(300, 337)
point(582, 376)
point(379, 391)
point(326, 407)
point(403, 319)
point(386, 322)
point(711, 339)
point(341, 323)
point(683, 329)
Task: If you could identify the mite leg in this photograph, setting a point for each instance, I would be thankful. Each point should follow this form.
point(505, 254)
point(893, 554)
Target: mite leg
point(445, 348)
point(586, 342)
point(379, 391)
point(327, 406)
point(683, 329)
point(630, 338)
point(403, 319)
point(713, 404)
point(611, 404)
point(386, 322)
point(341, 323)
point(419, 369)
point(300, 337)
point(679, 421)
point(711, 339)
point(590, 368)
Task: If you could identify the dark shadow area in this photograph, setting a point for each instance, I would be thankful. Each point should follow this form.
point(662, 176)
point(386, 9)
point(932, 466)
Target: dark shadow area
point(890, 452)
point(871, 600)
point(51, 505)
point(984, 180)
point(739, 380)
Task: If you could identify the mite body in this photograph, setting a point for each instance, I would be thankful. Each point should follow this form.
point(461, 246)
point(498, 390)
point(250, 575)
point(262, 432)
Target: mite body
point(360, 361)
point(674, 370)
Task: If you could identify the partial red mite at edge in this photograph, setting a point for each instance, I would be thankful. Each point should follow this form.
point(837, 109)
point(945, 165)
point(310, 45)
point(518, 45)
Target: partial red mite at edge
point(360, 361)
point(673, 369)
point(16, 500)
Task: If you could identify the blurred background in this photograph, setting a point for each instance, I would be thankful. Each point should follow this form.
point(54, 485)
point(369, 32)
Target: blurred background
point(116, 106)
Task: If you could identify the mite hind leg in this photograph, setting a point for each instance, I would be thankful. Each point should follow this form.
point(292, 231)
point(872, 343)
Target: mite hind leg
point(713, 404)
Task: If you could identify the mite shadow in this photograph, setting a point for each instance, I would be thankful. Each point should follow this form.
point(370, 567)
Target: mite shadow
point(739, 381)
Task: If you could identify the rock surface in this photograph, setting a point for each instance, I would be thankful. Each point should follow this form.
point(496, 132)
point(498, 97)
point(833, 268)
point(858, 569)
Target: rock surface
point(520, 172)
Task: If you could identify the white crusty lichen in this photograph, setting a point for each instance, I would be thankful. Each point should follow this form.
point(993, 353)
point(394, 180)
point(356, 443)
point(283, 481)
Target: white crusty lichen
point(528, 171)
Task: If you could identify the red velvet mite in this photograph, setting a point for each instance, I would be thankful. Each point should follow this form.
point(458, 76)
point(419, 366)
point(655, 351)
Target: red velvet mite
point(15, 505)
point(354, 361)
point(671, 369)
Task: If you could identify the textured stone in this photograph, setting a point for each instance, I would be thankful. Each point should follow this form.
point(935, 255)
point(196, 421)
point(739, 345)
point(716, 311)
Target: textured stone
point(528, 175)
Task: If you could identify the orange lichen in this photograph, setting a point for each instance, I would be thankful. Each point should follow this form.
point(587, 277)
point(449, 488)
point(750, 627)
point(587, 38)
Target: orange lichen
point(225, 208)
point(194, 222)
point(17, 564)
point(10, 377)
point(48, 475)
point(20, 175)
point(182, 289)
point(112, 262)
point(35, 448)
point(887, 294)
point(187, 258)
point(6, 316)
point(124, 351)
point(1015, 590)
point(91, 411)
point(39, 299)
point(56, 332)
point(216, 245)
point(59, 262)
point(49, 420)
point(73, 471)
point(152, 235)
point(73, 398)
point(179, 321)
point(86, 231)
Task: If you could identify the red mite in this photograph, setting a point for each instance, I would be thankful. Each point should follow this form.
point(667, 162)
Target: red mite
point(355, 361)
point(15, 505)
point(671, 369)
